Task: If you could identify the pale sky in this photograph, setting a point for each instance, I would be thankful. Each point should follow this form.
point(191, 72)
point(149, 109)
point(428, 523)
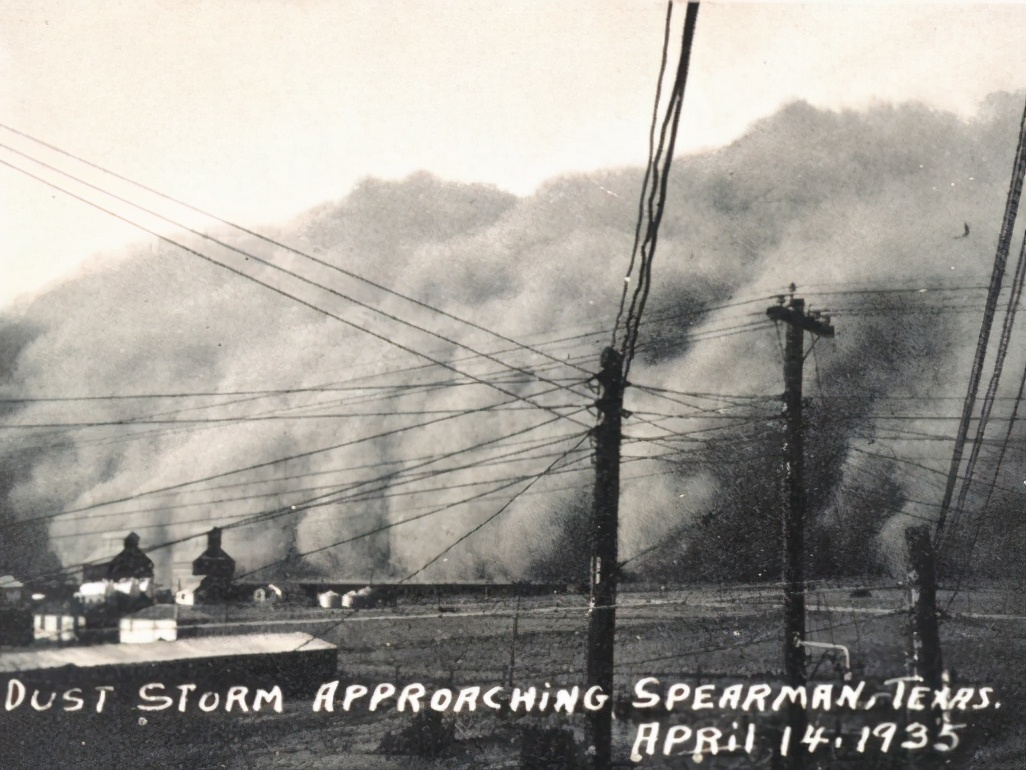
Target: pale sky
point(259, 109)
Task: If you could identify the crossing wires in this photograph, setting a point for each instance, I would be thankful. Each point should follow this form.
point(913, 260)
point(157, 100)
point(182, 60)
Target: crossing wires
point(976, 374)
point(652, 201)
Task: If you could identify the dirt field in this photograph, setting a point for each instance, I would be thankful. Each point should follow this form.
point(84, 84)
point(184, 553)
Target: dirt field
point(701, 636)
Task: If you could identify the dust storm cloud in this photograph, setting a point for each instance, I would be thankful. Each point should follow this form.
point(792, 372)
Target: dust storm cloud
point(835, 202)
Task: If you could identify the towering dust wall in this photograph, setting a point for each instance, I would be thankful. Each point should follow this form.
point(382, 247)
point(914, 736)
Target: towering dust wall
point(837, 202)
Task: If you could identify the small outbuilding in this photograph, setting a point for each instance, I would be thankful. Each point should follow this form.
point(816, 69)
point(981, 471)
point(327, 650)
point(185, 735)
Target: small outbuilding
point(365, 598)
point(158, 623)
point(57, 626)
point(268, 594)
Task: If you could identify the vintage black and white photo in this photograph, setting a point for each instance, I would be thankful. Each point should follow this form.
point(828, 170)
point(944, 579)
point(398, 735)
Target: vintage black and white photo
point(512, 385)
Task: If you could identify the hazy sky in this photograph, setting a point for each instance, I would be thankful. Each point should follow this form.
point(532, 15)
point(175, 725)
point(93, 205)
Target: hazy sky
point(258, 109)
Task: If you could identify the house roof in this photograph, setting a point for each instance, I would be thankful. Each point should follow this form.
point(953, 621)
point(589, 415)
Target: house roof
point(160, 652)
point(155, 612)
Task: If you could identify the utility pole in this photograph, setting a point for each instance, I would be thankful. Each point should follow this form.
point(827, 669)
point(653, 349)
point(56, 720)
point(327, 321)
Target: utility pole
point(798, 322)
point(926, 658)
point(604, 523)
point(513, 643)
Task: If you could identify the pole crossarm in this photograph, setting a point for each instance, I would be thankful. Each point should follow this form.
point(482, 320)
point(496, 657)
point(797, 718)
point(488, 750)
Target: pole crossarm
point(796, 317)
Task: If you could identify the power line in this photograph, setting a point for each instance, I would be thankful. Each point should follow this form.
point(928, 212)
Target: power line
point(333, 497)
point(891, 290)
point(262, 393)
point(537, 443)
point(495, 515)
point(432, 512)
point(566, 469)
point(275, 243)
point(366, 496)
point(708, 395)
point(255, 466)
point(315, 502)
point(506, 458)
point(1000, 257)
point(657, 192)
point(995, 378)
point(993, 485)
point(648, 171)
point(825, 397)
point(170, 431)
point(468, 534)
point(266, 418)
point(905, 461)
point(383, 337)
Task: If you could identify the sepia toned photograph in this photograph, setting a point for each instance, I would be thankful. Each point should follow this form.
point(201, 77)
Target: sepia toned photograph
point(484, 385)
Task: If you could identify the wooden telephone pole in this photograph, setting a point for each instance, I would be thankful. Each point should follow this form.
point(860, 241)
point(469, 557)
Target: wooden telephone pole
point(798, 322)
point(604, 524)
point(925, 658)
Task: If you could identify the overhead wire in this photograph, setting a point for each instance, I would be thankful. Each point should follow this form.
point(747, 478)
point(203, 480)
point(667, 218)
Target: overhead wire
point(991, 487)
point(658, 191)
point(995, 378)
point(997, 275)
point(237, 271)
point(648, 170)
point(155, 432)
point(432, 512)
point(499, 512)
point(254, 466)
point(506, 458)
point(375, 495)
point(272, 417)
point(277, 244)
point(260, 393)
point(906, 461)
point(314, 502)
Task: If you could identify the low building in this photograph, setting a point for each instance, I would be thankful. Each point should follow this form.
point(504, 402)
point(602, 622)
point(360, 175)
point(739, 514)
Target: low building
point(140, 590)
point(57, 626)
point(297, 662)
point(158, 623)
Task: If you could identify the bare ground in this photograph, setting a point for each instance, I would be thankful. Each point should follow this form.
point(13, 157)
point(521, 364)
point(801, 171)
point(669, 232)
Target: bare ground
point(696, 636)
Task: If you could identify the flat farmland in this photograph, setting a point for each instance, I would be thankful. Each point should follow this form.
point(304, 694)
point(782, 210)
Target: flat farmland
point(734, 630)
point(698, 636)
